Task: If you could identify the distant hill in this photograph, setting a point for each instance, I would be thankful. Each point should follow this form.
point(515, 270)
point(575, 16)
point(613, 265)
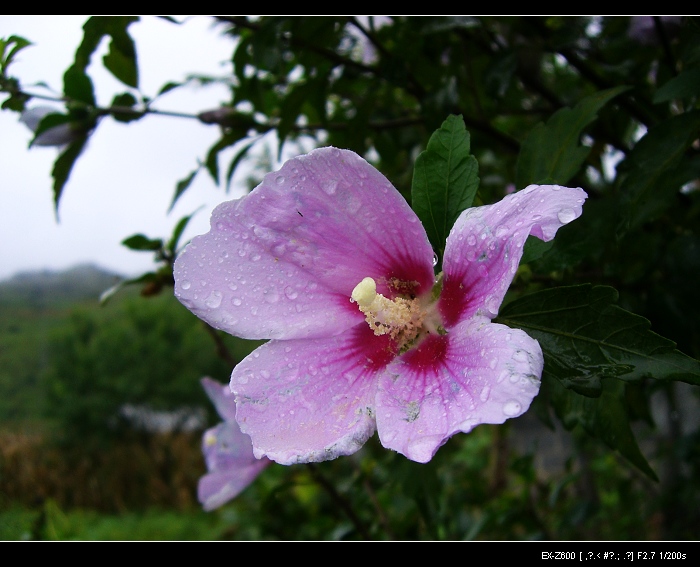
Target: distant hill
point(45, 287)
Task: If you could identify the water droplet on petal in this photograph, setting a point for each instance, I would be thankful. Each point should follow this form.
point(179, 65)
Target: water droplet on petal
point(290, 292)
point(214, 300)
point(279, 179)
point(566, 216)
point(185, 284)
point(485, 392)
point(329, 186)
point(271, 295)
point(236, 301)
point(520, 356)
point(471, 239)
point(435, 259)
point(511, 408)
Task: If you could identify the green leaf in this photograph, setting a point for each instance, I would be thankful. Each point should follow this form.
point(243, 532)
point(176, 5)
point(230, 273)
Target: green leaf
point(125, 100)
point(605, 417)
point(182, 186)
point(656, 169)
point(167, 87)
point(121, 58)
point(141, 242)
point(685, 85)
point(552, 153)
point(63, 166)
point(177, 233)
point(242, 153)
point(585, 337)
point(19, 44)
point(445, 180)
point(212, 160)
point(77, 86)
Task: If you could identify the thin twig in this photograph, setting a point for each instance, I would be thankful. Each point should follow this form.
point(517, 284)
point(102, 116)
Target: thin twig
point(339, 500)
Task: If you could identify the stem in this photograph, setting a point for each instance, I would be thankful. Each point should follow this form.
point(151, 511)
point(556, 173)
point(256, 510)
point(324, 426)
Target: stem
point(339, 500)
point(221, 348)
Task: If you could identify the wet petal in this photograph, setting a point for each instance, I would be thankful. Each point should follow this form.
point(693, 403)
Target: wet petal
point(486, 243)
point(282, 261)
point(228, 454)
point(480, 372)
point(222, 398)
point(310, 400)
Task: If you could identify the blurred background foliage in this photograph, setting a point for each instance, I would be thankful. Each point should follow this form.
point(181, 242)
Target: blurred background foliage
point(609, 104)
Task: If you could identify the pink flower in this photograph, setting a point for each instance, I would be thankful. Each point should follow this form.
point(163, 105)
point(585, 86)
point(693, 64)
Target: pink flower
point(327, 260)
point(228, 452)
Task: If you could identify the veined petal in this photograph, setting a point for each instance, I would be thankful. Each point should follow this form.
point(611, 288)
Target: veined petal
point(485, 245)
point(480, 372)
point(282, 261)
point(310, 400)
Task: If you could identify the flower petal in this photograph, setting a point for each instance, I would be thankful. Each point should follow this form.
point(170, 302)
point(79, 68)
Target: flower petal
point(282, 261)
point(222, 398)
point(485, 245)
point(480, 372)
point(311, 400)
point(228, 454)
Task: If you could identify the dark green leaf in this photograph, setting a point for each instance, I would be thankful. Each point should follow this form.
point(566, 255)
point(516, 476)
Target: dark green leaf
point(141, 242)
point(77, 86)
point(167, 87)
point(685, 85)
point(445, 180)
point(585, 337)
point(19, 44)
point(182, 186)
point(655, 169)
point(121, 61)
point(125, 100)
point(212, 160)
point(177, 233)
point(236, 160)
point(605, 417)
point(62, 168)
point(552, 152)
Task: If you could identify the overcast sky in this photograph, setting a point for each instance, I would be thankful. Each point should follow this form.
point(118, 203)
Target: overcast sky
point(125, 179)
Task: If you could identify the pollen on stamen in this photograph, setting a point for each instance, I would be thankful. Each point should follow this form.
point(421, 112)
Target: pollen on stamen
point(401, 317)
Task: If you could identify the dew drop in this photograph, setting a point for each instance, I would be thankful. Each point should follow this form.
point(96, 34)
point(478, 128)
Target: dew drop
point(279, 179)
point(485, 392)
point(511, 408)
point(214, 300)
point(185, 284)
point(271, 296)
point(329, 186)
point(565, 216)
point(290, 292)
point(471, 240)
point(435, 259)
point(236, 301)
point(520, 356)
